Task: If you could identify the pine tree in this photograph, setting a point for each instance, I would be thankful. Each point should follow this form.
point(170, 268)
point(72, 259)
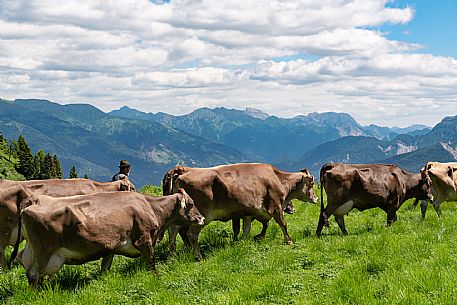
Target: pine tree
point(73, 173)
point(39, 162)
point(25, 164)
point(2, 141)
point(57, 168)
point(12, 149)
point(85, 176)
point(47, 167)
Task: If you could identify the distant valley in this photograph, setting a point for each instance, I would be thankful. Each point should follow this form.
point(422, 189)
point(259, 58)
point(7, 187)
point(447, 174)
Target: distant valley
point(95, 141)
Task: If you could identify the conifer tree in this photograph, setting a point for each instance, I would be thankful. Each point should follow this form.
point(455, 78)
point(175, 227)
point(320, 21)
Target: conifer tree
point(85, 176)
point(39, 162)
point(47, 167)
point(12, 149)
point(25, 164)
point(2, 141)
point(58, 173)
point(73, 173)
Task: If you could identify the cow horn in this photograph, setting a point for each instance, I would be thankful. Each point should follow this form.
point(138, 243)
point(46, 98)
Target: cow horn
point(170, 189)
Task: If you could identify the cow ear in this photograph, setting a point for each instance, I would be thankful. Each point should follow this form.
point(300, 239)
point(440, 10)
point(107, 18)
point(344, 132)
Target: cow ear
point(309, 180)
point(423, 174)
point(450, 172)
point(183, 198)
point(428, 181)
point(305, 171)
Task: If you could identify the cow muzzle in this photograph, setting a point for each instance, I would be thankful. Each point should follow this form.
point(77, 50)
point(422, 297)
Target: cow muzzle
point(201, 221)
point(314, 199)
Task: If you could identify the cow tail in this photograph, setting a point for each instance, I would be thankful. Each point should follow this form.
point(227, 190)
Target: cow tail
point(25, 203)
point(322, 175)
point(18, 242)
point(324, 170)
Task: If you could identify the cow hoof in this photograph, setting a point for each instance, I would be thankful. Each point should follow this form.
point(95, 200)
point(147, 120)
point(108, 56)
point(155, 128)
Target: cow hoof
point(259, 237)
point(289, 242)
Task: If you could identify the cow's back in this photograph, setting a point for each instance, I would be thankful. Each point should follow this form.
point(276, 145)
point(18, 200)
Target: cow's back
point(222, 191)
point(96, 218)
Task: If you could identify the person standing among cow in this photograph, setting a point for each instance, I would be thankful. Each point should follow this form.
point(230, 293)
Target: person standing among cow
point(124, 171)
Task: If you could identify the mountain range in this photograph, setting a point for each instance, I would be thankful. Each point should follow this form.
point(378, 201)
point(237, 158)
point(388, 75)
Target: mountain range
point(95, 141)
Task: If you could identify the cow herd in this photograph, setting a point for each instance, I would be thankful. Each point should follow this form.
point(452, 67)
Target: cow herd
point(74, 221)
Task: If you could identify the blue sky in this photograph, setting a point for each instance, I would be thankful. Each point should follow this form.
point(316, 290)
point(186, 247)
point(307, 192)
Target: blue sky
point(384, 62)
point(434, 26)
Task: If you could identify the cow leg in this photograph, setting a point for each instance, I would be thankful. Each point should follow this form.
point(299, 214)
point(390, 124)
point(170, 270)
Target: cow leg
point(340, 221)
point(147, 251)
point(424, 205)
point(107, 261)
point(279, 218)
point(25, 257)
point(43, 265)
point(320, 224)
point(236, 228)
point(323, 221)
point(183, 234)
point(33, 276)
point(172, 232)
point(3, 264)
point(192, 234)
point(289, 209)
point(391, 217)
point(261, 235)
point(437, 207)
point(246, 226)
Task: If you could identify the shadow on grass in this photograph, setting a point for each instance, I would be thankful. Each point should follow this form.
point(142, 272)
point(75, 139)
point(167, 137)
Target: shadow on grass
point(71, 278)
point(6, 292)
point(134, 265)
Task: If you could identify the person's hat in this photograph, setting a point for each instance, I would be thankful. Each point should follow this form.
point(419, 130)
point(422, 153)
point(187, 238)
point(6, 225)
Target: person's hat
point(124, 163)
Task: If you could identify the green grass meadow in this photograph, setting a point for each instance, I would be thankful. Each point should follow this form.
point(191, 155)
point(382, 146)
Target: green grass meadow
point(412, 262)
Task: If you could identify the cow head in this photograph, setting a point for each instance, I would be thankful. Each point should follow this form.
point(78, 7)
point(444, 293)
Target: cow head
point(424, 189)
point(188, 213)
point(424, 170)
point(442, 175)
point(126, 185)
point(306, 193)
point(169, 185)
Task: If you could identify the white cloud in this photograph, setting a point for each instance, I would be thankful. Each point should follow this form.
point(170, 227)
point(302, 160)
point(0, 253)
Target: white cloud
point(223, 53)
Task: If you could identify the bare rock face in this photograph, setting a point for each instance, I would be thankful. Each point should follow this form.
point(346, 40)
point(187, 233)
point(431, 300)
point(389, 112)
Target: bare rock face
point(256, 113)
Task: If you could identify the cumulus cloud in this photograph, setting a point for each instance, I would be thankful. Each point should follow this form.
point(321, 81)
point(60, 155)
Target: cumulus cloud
point(195, 53)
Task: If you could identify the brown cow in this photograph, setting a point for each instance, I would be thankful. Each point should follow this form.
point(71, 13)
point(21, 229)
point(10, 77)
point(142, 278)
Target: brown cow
point(11, 197)
point(444, 184)
point(78, 229)
point(234, 191)
point(366, 186)
point(247, 220)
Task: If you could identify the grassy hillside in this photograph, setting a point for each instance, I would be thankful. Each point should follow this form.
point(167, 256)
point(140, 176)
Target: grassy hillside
point(7, 170)
point(413, 262)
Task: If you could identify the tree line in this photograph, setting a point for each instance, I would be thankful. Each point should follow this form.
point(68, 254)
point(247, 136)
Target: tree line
point(39, 166)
